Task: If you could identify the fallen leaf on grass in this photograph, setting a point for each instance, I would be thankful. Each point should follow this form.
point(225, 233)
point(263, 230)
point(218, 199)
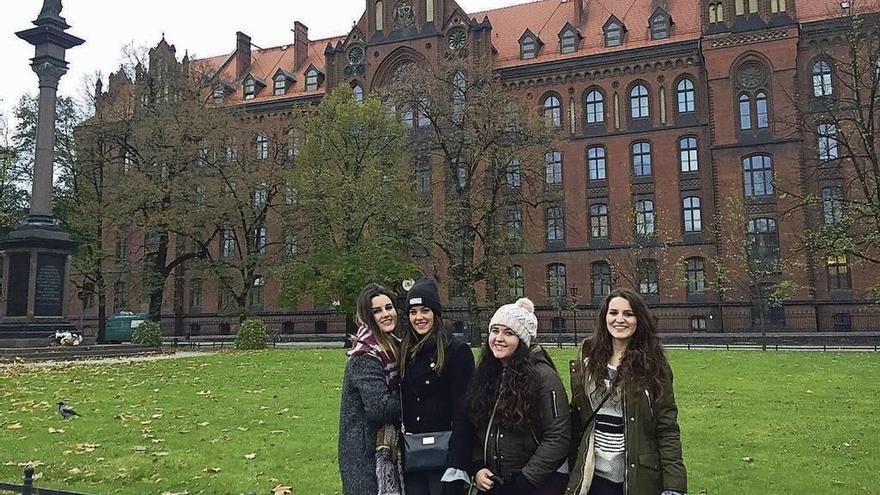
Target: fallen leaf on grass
point(204, 423)
point(282, 490)
point(250, 456)
point(748, 459)
point(211, 470)
point(139, 448)
point(13, 426)
point(53, 430)
point(75, 471)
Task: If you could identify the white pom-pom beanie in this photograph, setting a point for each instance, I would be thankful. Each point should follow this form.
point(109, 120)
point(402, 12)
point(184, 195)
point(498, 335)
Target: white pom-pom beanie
point(519, 317)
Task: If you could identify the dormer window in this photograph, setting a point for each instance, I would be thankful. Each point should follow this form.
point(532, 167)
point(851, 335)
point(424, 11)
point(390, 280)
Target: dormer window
point(250, 88)
point(312, 80)
point(569, 39)
point(280, 85)
point(217, 94)
point(529, 44)
point(614, 31)
point(660, 25)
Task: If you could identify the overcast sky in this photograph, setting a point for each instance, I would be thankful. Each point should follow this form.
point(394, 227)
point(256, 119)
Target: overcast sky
point(204, 27)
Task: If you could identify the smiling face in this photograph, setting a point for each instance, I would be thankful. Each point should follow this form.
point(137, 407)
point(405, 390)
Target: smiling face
point(384, 313)
point(503, 343)
point(620, 320)
point(422, 319)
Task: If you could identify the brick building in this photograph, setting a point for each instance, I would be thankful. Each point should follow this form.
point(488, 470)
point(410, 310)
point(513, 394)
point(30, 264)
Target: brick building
point(679, 148)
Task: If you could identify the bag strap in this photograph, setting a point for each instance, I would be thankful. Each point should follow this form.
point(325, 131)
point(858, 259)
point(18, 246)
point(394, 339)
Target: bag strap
point(596, 411)
point(402, 420)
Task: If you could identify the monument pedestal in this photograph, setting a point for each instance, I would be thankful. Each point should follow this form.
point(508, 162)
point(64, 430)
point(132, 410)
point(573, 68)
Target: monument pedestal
point(35, 273)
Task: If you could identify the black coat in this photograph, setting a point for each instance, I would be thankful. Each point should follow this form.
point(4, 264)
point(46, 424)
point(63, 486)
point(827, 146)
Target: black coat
point(439, 403)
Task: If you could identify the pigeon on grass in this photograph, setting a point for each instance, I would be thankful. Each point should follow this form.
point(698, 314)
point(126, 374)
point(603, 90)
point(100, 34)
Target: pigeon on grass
point(66, 411)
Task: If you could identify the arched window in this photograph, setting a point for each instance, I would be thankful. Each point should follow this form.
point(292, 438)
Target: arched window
point(638, 102)
point(644, 218)
point(745, 112)
point(762, 113)
point(556, 283)
point(719, 9)
point(599, 221)
point(552, 111)
point(758, 175)
point(600, 272)
point(596, 162)
point(459, 92)
point(358, 93)
point(380, 16)
point(685, 94)
point(595, 107)
point(641, 159)
point(555, 224)
point(696, 275)
point(822, 79)
point(516, 281)
point(693, 217)
point(688, 156)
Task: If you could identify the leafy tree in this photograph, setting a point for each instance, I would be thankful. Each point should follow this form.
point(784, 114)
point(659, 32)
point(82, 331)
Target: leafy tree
point(356, 204)
point(13, 197)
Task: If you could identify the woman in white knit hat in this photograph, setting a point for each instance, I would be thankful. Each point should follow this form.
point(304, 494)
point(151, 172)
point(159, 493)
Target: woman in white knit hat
point(519, 408)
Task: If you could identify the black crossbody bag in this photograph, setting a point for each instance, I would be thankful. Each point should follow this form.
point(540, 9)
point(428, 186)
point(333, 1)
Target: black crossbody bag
point(423, 451)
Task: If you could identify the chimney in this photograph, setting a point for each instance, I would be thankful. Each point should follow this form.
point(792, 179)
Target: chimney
point(300, 44)
point(580, 12)
point(242, 54)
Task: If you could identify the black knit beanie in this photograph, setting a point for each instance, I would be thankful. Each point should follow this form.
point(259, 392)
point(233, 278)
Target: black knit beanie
point(424, 293)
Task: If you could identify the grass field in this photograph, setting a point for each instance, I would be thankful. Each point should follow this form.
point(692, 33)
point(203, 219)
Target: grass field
point(752, 423)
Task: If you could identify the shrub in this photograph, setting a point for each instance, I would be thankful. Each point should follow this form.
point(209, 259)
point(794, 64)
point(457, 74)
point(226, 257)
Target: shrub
point(251, 335)
point(147, 333)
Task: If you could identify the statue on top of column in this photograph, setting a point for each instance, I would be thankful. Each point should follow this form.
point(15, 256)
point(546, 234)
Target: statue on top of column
point(51, 8)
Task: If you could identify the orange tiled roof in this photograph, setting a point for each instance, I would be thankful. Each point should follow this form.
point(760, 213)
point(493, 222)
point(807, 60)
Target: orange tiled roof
point(546, 18)
point(816, 10)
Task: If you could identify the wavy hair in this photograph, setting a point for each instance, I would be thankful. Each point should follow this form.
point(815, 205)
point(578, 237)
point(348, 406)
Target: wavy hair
point(412, 343)
point(516, 387)
point(644, 363)
point(365, 316)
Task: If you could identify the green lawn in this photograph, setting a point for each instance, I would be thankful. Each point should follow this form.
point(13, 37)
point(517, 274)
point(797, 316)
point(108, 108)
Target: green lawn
point(752, 423)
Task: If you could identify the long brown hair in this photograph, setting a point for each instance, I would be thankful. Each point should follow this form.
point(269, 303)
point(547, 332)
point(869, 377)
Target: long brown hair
point(644, 363)
point(365, 315)
point(413, 343)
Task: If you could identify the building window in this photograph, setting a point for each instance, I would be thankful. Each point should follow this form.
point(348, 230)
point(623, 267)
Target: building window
point(827, 140)
point(600, 272)
point(416, 115)
point(459, 95)
point(648, 277)
point(424, 180)
point(528, 47)
point(685, 95)
point(758, 175)
point(218, 93)
point(261, 195)
point(120, 298)
point(291, 243)
point(261, 239)
point(227, 248)
point(660, 25)
point(832, 204)
point(599, 221)
point(250, 88)
point(257, 294)
point(226, 302)
point(555, 224)
point(822, 79)
point(645, 218)
point(687, 154)
point(838, 273)
point(554, 167)
point(556, 281)
point(638, 102)
point(753, 6)
point(516, 281)
point(279, 86)
point(745, 112)
point(358, 93)
point(514, 224)
point(698, 323)
point(121, 249)
point(380, 16)
point(763, 244)
point(513, 175)
point(552, 111)
point(568, 42)
point(692, 215)
point(596, 162)
point(777, 6)
point(641, 159)
point(696, 276)
point(761, 111)
point(595, 107)
point(716, 13)
point(613, 33)
point(312, 80)
point(195, 295)
point(262, 146)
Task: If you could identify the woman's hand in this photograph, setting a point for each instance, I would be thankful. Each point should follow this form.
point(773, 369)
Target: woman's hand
point(484, 484)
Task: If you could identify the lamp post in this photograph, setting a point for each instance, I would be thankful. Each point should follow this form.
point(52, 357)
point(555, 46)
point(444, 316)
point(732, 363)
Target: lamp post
point(573, 294)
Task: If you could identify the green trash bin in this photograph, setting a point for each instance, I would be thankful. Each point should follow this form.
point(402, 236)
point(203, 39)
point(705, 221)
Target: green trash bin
point(121, 325)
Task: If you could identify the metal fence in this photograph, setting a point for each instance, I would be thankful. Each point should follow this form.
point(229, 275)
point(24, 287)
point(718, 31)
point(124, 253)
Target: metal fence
point(28, 488)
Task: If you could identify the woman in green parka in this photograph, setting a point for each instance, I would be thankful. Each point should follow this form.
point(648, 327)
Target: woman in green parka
point(624, 415)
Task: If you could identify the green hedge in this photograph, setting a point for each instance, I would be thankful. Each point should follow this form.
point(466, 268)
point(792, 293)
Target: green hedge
point(147, 333)
point(251, 335)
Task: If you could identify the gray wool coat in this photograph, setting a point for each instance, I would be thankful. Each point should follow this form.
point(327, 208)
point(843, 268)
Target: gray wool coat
point(366, 405)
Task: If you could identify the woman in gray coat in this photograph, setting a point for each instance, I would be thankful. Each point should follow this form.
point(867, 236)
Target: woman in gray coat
point(369, 414)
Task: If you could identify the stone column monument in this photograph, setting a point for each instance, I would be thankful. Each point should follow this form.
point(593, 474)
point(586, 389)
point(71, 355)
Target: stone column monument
point(37, 252)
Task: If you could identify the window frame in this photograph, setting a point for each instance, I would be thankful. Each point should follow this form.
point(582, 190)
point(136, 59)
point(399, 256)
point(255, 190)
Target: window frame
point(685, 88)
point(639, 104)
point(556, 272)
point(645, 221)
point(758, 181)
point(599, 214)
point(822, 79)
point(692, 214)
point(552, 112)
point(688, 154)
point(641, 155)
point(554, 217)
point(594, 108)
point(596, 163)
point(553, 168)
point(601, 277)
point(695, 272)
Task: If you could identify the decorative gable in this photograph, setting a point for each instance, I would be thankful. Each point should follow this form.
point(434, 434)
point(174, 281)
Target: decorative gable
point(529, 45)
point(569, 39)
point(660, 24)
point(251, 85)
point(614, 31)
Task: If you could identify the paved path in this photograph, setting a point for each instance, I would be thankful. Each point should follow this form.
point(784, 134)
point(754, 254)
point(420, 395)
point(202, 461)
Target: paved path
point(111, 360)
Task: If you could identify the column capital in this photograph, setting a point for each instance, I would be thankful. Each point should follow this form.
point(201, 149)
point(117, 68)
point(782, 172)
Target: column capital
point(49, 72)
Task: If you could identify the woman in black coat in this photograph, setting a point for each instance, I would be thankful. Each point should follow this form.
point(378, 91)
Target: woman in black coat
point(436, 368)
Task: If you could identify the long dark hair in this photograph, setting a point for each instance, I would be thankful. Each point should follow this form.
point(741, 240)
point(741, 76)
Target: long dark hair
point(516, 387)
point(413, 343)
point(644, 363)
point(365, 315)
